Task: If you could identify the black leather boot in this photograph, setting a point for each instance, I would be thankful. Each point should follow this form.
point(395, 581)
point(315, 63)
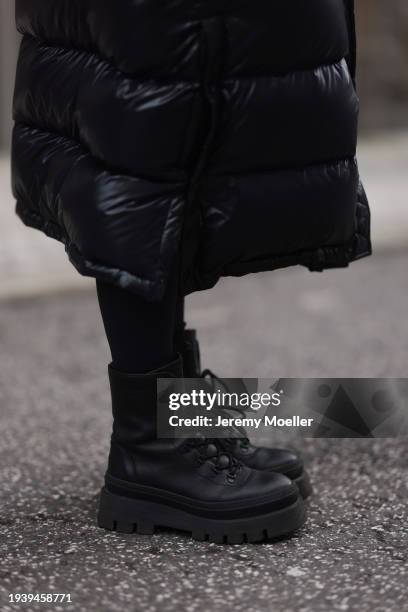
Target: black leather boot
point(192, 485)
point(281, 460)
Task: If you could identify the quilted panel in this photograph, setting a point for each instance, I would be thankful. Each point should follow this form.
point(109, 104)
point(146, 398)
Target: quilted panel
point(144, 37)
point(299, 210)
point(277, 36)
point(307, 117)
point(125, 222)
point(73, 93)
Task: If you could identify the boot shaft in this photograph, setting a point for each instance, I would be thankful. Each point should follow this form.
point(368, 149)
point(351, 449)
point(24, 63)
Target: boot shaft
point(134, 402)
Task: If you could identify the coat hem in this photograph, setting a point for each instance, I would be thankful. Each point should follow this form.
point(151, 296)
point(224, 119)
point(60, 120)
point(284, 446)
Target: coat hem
point(315, 260)
point(152, 290)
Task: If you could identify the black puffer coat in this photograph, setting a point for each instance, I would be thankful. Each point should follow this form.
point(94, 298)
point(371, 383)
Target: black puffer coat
point(225, 126)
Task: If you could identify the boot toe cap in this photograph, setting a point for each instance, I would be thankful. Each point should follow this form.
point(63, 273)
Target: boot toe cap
point(274, 486)
point(281, 460)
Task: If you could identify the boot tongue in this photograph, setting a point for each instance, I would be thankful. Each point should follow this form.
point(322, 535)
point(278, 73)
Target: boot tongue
point(238, 434)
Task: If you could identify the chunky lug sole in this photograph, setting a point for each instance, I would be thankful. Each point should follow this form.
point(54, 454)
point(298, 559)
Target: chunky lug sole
point(129, 515)
point(304, 485)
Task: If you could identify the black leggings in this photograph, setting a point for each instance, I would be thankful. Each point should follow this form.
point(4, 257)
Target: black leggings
point(141, 334)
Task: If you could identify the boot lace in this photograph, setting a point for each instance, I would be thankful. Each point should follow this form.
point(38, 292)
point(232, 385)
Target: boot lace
point(214, 451)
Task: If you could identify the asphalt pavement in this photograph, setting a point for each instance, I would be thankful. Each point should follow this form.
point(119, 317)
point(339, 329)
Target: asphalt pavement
point(55, 417)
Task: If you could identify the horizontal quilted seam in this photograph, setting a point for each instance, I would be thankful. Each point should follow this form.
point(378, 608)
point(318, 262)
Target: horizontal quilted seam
point(104, 60)
point(209, 9)
point(174, 15)
point(288, 168)
point(107, 167)
point(284, 73)
point(110, 170)
point(154, 179)
point(171, 79)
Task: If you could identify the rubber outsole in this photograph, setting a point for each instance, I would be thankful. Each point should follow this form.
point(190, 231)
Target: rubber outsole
point(304, 485)
point(128, 515)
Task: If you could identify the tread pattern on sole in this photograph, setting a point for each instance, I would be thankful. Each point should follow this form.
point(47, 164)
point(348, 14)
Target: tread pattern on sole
point(216, 538)
point(124, 515)
point(122, 527)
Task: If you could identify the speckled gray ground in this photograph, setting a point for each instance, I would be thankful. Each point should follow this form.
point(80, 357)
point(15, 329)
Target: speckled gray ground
point(351, 555)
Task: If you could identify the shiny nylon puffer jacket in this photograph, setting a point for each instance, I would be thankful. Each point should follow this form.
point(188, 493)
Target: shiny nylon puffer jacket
point(219, 131)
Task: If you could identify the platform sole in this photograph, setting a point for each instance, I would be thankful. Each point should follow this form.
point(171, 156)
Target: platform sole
point(304, 485)
point(128, 515)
